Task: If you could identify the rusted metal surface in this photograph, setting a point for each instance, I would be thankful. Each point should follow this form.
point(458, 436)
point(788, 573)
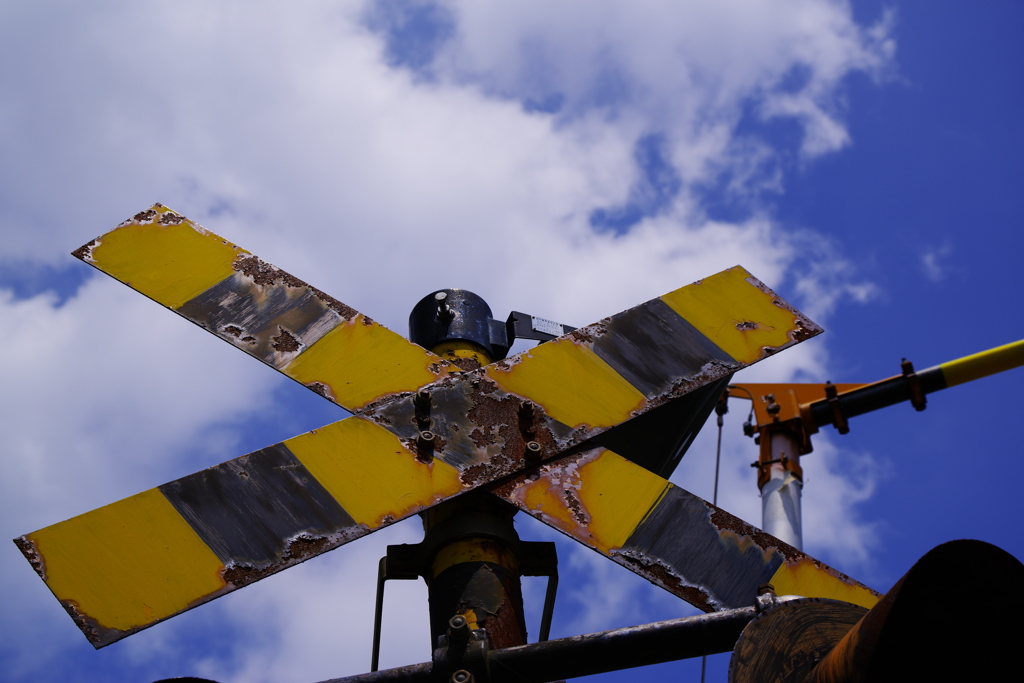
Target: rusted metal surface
point(679, 541)
point(457, 428)
point(475, 426)
point(785, 643)
point(478, 424)
point(261, 513)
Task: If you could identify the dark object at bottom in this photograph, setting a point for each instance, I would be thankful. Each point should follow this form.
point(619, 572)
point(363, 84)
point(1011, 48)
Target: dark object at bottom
point(930, 626)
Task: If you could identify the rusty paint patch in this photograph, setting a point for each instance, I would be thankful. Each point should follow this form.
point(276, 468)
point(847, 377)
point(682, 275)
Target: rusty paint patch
point(660, 575)
point(322, 389)
point(805, 327)
point(96, 633)
point(747, 535)
point(171, 218)
point(586, 335)
point(712, 371)
point(561, 476)
point(263, 273)
point(84, 252)
point(746, 326)
point(28, 549)
point(466, 364)
point(572, 502)
point(346, 312)
point(299, 549)
point(285, 342)
point(143, 217)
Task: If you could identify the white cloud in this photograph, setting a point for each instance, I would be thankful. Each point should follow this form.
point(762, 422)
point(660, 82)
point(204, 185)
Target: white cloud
point(285, 129)
point(933, 262)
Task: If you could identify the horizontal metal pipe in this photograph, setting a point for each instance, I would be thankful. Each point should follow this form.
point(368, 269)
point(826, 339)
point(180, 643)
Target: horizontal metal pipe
point(624, 648)
point(984, 364)
point(878, 395)
point(896, 389)
point(594, 653)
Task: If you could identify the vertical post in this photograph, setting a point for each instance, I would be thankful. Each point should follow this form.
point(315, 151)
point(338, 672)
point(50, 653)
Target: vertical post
point(780, 479)
point(473, 559)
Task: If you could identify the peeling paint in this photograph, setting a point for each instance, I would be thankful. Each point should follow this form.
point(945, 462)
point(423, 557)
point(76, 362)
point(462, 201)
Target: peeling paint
point(171, 218)
point(84, 252)
point(285, 342)
point(299, 549)
point(662, 575)
point(804, 327)
point(480, 424)
point(28, 549)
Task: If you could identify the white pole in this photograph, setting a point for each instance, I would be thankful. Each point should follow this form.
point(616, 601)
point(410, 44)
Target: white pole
point(780, 495)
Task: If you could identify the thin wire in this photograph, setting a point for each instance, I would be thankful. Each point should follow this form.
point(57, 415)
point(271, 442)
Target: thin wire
point(714, 501)
point(718, 459)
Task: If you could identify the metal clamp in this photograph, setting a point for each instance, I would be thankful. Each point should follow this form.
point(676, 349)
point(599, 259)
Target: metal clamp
point(917, 398)
point(461, 654)
point(838, 418)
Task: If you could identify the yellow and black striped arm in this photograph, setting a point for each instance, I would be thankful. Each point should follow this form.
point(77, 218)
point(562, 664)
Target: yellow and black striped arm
point(857, 399)
point(602, 375)
point(136, 562)
point(669, 536)
point(576, 387)
point(271, 315)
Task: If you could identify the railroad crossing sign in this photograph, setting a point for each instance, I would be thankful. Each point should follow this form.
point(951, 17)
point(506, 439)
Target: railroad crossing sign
point(424, 428)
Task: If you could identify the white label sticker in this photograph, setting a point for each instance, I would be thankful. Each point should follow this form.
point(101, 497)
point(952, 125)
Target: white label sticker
point(546, 326)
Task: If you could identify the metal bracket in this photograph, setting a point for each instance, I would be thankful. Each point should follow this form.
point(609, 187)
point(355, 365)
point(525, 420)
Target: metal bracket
point(838, 418)
point(409, 562)
point(461, 654)
point(525, 326)
point(539, 558)
point(917, 398)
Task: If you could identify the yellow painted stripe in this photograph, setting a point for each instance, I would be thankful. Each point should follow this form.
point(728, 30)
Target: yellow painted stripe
point(169, 262)
point(806, 578)
point(571, 383)
point(173, 260)
point(983, 364)
point(618, 495)
point(129, 563)
point(600, 504)
point(370, 473)
point(735, 314)
point(359, 361)
point(473, 550)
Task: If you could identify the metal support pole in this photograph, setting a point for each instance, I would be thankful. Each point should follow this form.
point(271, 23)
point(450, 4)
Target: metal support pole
point(780, 479)
point(473, 565)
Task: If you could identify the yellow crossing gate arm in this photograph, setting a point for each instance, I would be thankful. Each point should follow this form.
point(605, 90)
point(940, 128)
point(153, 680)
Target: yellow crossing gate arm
point(271, 315)
point(669, 536)
point(136, 562)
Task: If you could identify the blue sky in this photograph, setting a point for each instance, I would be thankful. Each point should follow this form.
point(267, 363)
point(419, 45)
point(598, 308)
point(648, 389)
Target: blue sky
point(570, 160)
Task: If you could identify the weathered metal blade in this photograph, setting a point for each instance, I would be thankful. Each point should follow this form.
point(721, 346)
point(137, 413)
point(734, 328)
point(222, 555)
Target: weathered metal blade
point(271, 315)
point(136, 562)
point(601, 375)
point(573, 388)
point(669, 536)
point(144, 559)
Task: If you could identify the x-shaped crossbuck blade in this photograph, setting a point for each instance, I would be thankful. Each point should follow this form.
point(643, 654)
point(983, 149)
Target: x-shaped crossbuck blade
point(131, 564)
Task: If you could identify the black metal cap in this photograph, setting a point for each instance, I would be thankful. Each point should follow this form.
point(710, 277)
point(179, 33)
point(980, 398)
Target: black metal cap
point(457, 314)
